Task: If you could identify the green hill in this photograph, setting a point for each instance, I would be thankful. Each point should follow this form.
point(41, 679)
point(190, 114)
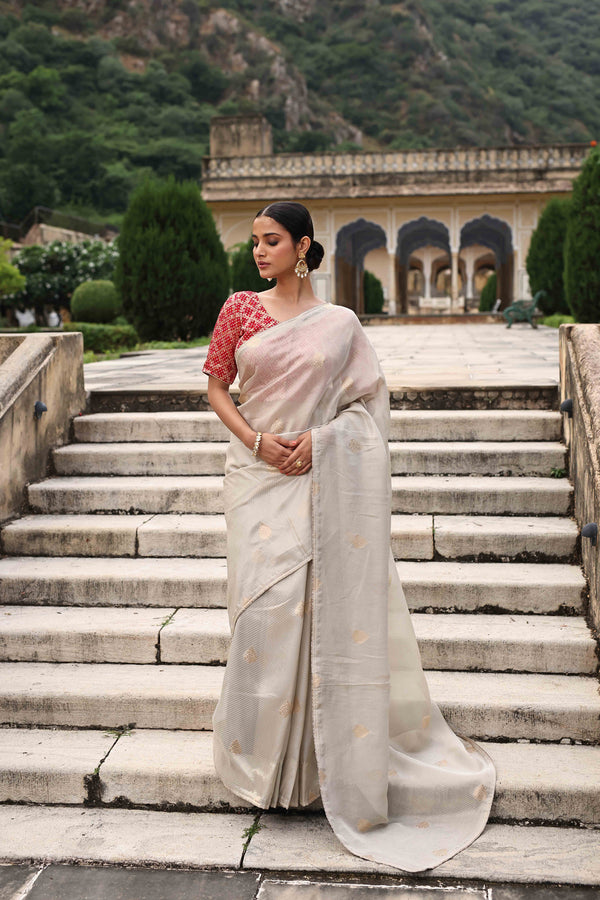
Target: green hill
point(93, 95)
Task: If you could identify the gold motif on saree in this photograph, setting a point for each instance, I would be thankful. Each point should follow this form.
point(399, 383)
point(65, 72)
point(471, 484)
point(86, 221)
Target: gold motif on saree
point(359, 637)
point(250, 655)
point(285, 709)
point(264, 532)
point(360, 731)
point(480, 792)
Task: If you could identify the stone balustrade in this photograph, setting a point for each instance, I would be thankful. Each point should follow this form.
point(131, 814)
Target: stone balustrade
point(404, 162)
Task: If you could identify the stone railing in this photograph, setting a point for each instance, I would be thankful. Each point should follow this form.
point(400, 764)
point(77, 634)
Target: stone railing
point(402, 162)
point(580, 382)
point(40, 366)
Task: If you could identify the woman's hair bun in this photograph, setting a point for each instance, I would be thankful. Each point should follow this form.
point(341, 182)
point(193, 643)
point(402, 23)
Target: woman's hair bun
point(315, 254)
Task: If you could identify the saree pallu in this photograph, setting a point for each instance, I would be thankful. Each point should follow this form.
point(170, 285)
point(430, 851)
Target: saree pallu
point(324, 692)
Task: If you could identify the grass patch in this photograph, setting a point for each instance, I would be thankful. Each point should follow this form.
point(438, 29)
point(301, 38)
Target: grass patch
point(91, 356)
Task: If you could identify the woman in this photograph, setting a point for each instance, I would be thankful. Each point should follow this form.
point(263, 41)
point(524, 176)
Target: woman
point(324, 694)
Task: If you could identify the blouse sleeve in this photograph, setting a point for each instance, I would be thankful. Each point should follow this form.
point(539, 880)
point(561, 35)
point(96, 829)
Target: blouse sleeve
point(220, 360)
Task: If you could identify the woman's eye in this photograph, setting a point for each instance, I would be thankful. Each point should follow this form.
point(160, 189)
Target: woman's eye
point(273, 243)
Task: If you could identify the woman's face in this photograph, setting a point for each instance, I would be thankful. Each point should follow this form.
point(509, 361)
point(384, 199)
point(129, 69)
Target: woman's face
point(274, 250)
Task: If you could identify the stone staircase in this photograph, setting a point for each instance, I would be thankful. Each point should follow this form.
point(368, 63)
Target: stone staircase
point(113, 631)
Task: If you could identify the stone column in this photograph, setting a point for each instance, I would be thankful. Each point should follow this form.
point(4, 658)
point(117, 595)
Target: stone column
point(392, 284)
point(427, 266)
point(454, 269)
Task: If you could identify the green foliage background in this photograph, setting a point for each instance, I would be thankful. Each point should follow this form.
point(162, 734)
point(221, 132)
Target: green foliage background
point(80, 129)
point(582, 244)
point(172, 272)
point(545, 258)
point(55, 270)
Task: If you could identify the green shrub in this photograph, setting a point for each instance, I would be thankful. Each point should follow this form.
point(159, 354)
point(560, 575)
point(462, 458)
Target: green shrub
point(244, 271)
point(556, 320)
point(95, 301)
point(488, 294)
point(373, 290)
point(582, 244)
point(104, 337)
point(172, 273)
point(545, 259)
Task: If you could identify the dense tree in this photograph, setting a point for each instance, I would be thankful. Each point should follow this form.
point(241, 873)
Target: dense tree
point(488, 293)
point(545, 259)
point(582, 244)
point(373, 290)
point(172, 273)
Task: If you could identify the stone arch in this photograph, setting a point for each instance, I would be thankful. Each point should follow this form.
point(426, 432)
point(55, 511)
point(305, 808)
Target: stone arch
point(411, 236)
point(353, 243)
point(496, 235)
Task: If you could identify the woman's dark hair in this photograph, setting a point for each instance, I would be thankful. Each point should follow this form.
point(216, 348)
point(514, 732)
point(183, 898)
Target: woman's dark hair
point(296, 219)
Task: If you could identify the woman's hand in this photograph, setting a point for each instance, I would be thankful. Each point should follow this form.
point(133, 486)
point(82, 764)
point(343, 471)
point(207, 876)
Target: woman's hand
point(274, 449)
point(302, 451)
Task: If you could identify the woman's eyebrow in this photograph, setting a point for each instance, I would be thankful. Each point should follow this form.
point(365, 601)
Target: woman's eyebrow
point(269, 234)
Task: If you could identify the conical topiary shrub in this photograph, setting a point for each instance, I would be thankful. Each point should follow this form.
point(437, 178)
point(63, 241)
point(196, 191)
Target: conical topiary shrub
point(172, 272)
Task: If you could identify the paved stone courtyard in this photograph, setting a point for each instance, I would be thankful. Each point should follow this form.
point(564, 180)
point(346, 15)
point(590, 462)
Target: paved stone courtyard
point(411, 356)
point(109, 883)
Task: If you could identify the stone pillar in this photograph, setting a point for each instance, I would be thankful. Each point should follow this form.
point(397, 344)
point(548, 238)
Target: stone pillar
point(454, 270)
point(470, 266)
point(427, 267)
point(393, 284)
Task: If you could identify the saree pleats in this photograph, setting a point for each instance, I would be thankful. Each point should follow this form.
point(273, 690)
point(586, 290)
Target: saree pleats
point(324, 691)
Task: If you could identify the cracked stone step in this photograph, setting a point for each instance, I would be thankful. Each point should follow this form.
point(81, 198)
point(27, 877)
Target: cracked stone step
point(460, 494)
point(406, 425)
point(121, 836)
point(43, 765)
point(544, 588)
point(546, 537)
point(148, 767)
point(73, 535)
point(175, 534)
point(84, 634)
point(416, 458)
point(503, 853)
point(483, 705)
point(549, 644)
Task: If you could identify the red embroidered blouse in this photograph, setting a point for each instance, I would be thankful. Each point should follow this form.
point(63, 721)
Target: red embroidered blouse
point(241, 316)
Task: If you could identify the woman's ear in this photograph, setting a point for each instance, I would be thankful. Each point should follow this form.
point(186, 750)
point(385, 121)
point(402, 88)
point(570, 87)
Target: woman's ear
point(304, 243)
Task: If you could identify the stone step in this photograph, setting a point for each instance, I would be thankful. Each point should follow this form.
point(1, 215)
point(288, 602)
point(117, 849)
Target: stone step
point(549, 644)
point(162, 535)
point(427, 494)
point(179, 534)
point(550, 783)
point(407, 458)
point(406, 425)
point(546, 855)
point(505, 537)
point(544, 588)
point(484, 705)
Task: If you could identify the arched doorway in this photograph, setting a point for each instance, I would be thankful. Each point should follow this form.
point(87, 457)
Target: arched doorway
point(353, 243)
point(496, 235)
point(421, 233)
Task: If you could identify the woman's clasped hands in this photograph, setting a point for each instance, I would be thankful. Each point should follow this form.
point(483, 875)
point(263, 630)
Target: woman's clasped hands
point(290, 457)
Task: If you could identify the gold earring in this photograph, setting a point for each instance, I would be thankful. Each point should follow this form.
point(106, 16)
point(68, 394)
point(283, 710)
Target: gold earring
point(301, 268)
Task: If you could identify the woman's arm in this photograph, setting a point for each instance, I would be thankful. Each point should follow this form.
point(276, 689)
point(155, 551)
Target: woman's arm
point(274, 449)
